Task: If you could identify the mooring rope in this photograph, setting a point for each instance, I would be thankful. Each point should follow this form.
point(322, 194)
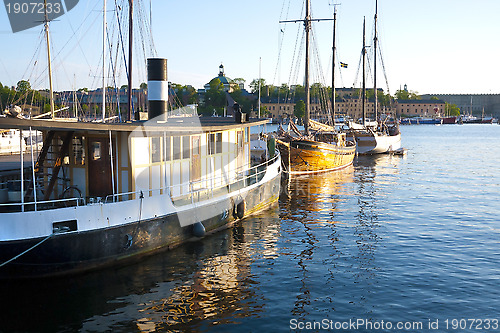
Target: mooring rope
point(31, 248)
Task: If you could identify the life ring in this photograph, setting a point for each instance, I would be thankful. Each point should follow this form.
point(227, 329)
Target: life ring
point(240, 209)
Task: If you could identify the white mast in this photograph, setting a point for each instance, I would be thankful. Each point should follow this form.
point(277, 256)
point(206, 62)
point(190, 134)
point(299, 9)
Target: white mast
point(46, 20)
point(104, 62)
point(375, 39)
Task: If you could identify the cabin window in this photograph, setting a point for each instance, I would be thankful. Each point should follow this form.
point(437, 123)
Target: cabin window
point(78, 151)
point(240, 139)
point(96, 151)
point(186, 151)
point(155, 150)
point(218, 143)
point(215, 143)
point(211, 144)
point(176, 143)
point(168, 149)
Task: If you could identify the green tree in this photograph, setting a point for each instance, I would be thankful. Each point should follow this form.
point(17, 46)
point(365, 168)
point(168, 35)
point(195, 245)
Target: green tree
point(299, 110)
point(246, 104)
point(215, 98)
point(263, 111)
point(185, 94)
point(23, 86)
point(254, 85)
point(452, 109)
point(299, 92)
point(239, 80)
point(144, 86)
point(316, 89)
point(406, 95)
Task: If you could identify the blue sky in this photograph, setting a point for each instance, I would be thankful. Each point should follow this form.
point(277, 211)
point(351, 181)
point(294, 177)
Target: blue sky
point(439, 46)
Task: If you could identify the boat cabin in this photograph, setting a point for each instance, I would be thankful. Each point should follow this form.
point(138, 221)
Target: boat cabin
point(89, 163)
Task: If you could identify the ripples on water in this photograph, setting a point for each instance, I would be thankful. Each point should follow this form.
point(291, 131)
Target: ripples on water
point(392, 238)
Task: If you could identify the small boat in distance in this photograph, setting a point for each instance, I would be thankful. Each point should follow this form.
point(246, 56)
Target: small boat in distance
point(449, 120)
point(421, 121)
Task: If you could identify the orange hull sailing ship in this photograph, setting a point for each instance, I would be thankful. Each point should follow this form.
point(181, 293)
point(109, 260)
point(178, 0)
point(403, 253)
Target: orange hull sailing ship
point(320, 148)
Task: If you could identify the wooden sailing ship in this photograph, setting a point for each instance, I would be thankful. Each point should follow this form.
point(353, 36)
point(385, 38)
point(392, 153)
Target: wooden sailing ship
point(320, 148)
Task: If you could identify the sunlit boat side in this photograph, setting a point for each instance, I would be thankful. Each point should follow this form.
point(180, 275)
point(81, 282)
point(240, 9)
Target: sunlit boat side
point(107, 193)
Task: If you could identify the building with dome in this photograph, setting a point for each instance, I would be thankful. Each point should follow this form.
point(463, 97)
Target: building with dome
point(228, 84)
point(229, 87)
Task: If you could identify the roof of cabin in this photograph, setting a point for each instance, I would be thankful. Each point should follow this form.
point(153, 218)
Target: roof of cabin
point(174, 125)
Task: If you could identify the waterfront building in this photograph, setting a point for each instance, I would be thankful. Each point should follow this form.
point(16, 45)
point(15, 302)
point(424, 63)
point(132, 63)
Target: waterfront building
point(347, 104)
point(472, 104)
point(420, 107)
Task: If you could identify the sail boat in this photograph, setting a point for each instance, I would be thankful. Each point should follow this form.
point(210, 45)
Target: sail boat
point(319, 151)
point(379, 138)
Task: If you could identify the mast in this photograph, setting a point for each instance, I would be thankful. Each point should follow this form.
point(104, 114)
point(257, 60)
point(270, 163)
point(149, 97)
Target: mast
point(375, 63)
point(130, 44)
point(260, 61)
point(363, 92)
point(46, 20)
point(104, 62)
point(333, 63)
point(307, 25)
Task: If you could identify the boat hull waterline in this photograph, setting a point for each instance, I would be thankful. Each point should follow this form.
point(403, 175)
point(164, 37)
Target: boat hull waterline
point(373, 143)
point(106, 243)
point(304, 156)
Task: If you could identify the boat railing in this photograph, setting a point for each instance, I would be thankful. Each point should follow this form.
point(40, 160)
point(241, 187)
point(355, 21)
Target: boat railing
point(195, 191)
point(41, 205)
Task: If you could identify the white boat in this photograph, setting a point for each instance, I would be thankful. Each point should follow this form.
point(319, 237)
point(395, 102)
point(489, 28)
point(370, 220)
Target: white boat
point(129, 190)
point(360, 125)
point(374, 138)
point(102, 193)
point(14, 141)
point(11, 142)
point(370, 141)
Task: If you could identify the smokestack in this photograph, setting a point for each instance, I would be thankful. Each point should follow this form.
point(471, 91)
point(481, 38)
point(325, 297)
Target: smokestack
point(157, 87)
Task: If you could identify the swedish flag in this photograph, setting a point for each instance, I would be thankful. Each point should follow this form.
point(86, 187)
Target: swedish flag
point(343, 65)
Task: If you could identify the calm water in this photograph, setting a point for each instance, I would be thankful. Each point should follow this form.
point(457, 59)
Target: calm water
point(414, 240)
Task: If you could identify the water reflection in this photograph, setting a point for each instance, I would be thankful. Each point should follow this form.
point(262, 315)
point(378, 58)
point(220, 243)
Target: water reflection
point(318, 255)
point(208, 282)
point(309, 224)
point(372, 176)
point(317, 193)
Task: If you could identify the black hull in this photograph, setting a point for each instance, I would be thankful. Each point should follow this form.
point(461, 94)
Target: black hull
point(77, 252)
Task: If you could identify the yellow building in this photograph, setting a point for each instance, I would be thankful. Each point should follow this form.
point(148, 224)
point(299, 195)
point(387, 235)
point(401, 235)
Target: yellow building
point(420, 107)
